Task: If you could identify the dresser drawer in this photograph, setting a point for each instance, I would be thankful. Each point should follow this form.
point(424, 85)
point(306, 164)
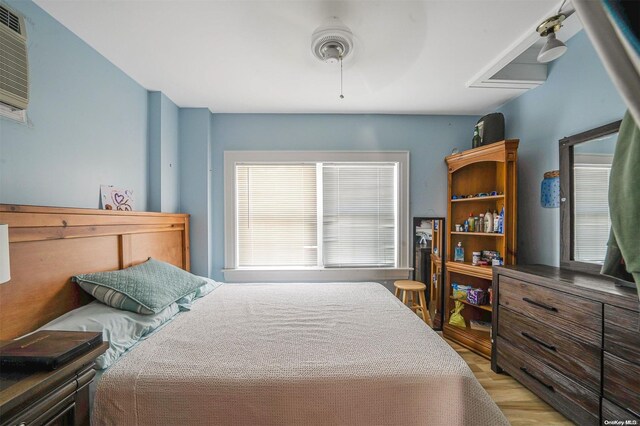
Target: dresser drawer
point(621, 382)
point(622, 333)
point(576, 359)
point(575, 315)
point(568, 397)
point(612, 412)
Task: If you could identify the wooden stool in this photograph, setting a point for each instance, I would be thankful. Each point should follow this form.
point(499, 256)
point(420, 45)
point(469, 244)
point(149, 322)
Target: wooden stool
point(408, 288)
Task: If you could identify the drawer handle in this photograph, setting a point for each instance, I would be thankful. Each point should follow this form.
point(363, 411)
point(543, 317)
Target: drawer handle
point(540, 305)
point(528, 373)
point(538, 341)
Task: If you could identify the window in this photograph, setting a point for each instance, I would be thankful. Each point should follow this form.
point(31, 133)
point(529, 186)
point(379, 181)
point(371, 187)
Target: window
point(306, 211)
point(276, 215)
point(591, 206)
point(359, 215)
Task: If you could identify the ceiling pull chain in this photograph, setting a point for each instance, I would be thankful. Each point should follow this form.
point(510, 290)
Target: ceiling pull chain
point(341, 95)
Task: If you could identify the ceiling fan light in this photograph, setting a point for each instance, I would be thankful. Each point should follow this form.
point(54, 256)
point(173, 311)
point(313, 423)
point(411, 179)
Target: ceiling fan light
point(552, 49)
point(331, 52)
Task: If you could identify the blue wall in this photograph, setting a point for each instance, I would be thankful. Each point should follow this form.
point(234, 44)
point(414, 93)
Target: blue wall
point(164, 175)
point(87, 124)
point(428, 138)
point(90, 124)
point(577, 96)
point(195, 184)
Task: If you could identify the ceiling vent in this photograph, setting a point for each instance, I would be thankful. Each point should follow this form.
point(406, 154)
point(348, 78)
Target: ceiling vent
point(14, 68)
point(518, 67)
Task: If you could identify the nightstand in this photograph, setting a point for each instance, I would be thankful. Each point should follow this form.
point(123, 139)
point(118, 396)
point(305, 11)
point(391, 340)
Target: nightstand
point(58, 397)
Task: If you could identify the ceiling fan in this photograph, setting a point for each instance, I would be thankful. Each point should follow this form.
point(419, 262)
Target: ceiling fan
point(332, 42)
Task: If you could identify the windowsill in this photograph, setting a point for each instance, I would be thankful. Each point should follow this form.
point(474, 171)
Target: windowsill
point(247, 275)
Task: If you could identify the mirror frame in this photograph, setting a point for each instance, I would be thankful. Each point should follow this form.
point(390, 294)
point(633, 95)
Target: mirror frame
point(566, 192)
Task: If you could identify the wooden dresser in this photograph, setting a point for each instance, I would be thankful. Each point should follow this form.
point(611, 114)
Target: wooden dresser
point(571, 338)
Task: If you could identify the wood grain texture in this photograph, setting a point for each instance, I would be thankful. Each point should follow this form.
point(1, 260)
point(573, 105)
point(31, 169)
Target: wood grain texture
point(578, 360)
point(20, 390)
point(48, 245)
point(596, 299)
point(622, 333)
point(567, 396)
point(594, 287)
point(613, 412)
point(521, 406)
point(480, 170)
point(578, 316)
point(621, 382)
point(477, 341)
point(494, 152)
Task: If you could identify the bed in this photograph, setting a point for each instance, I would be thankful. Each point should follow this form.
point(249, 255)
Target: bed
point(299, 353)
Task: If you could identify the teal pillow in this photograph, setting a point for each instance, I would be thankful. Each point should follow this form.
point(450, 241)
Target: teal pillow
point(186, 302)
point(147, 288)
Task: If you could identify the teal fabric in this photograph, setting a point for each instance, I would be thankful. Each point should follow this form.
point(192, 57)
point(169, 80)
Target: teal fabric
point(147, 288)
point(121, 329)
point(623, 252)
point(209, 286)
point(186, 302)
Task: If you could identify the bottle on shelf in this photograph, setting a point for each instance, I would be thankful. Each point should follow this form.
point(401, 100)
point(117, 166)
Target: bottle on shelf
point(476, 141)
point(480, 223)
point(501, 222)
point(472, 223)
point(458, 255)
point(488, 221)
point(496, 219)
point(466, 226)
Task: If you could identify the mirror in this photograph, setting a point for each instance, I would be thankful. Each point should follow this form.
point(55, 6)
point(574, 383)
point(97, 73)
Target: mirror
point(428, 252)
point(585, 165)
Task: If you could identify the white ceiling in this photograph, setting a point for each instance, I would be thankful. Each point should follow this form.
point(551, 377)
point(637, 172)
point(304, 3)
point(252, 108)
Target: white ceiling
point(411, 57)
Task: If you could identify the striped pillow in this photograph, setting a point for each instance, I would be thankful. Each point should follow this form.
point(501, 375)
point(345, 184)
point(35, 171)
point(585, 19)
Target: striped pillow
point(146, 288)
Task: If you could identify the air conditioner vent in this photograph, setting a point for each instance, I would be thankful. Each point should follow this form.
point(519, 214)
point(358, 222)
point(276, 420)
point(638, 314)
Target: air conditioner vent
point(14, 67)
point(10, 20)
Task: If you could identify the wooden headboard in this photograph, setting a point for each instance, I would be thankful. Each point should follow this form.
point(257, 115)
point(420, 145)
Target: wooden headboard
point(48, 245)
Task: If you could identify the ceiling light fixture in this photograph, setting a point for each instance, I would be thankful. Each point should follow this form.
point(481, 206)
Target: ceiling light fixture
point(331, 43)
point(553, 48)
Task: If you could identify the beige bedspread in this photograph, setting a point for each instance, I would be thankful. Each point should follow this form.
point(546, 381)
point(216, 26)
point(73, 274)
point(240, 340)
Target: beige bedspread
point(294, 354)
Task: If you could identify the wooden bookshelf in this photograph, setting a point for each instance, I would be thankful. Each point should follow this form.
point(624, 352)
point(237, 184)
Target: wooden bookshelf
point(477, 199)
point(483, 307)
point(480, 170)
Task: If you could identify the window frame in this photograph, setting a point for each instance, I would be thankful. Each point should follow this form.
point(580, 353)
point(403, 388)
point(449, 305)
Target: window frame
point(403, 239)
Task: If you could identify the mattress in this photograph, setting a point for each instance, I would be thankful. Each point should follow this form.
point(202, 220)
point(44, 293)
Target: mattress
point(295, 354)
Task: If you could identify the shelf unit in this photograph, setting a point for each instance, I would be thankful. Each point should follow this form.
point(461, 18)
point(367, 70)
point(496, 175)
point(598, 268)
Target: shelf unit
point(479, 234)
point(480, 170)
point(476, 199)
point(483, 307)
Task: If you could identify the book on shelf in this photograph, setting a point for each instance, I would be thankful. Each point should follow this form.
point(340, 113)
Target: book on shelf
point(48, 349)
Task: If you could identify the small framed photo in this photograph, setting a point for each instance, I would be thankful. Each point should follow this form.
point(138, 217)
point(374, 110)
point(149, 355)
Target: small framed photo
point(113, 198)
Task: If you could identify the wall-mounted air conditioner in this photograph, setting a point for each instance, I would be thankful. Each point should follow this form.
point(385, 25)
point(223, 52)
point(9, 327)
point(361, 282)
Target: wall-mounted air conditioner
point(14, 67)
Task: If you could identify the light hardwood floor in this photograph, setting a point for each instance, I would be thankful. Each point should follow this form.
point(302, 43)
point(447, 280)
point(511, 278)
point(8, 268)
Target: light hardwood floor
point(517, 403)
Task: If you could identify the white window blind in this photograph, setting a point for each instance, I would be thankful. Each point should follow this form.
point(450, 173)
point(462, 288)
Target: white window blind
point(591, 212)
point(281, 224)
point(276, 215)
point(359, 215)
